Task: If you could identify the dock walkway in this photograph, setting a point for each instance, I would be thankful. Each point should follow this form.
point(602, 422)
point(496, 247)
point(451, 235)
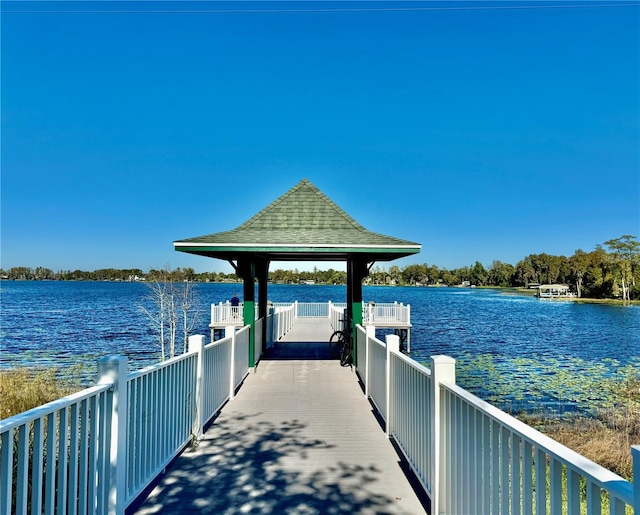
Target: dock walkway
point(299, 437)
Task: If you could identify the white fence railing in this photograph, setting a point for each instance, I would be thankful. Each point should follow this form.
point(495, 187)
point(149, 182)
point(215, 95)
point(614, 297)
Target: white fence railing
point(386, 313)
point(161, 403)
point(336, 315)
point(223, 314)
point(312, 309)
point(44, 472)
point(95, 451)
point(471, 457)
point(281, 321)
point(381, 313)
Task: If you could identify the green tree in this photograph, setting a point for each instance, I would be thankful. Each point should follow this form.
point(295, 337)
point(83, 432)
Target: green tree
point(625, 252)
point(415, 274)
point(394, 275)
point(578, 266)
point(479, 275)
point(500, 274)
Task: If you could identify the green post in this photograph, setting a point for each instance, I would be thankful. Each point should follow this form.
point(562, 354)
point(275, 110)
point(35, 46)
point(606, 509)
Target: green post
point(262, 273)
point(247, 270)
point(356, 272)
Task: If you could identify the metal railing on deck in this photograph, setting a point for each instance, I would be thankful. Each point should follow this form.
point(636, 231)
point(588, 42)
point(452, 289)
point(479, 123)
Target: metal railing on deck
point(471, 457)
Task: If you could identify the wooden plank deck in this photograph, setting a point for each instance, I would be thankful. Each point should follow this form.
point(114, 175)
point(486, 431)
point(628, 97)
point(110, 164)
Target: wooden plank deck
point(300, 437)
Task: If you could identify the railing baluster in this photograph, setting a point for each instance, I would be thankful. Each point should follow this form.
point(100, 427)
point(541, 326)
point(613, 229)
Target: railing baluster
point(74, 453)
point(37, 465)
point(495, 467)
point(555, 482)
point(541, 482)
point(573, 492)
point(504, 471)
point(84, 457)
point(516, 475)
point(23, 468)
point(50, 474)
point(527, 478)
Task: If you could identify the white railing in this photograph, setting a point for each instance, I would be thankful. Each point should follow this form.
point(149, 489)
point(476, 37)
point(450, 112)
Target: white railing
point(161, 402)
point(95, 451)
point(282, 320)
point(312, 309)
point(386, 313)
point(55, 458)
point(224, 314)
point(503, 459)
point(471, 457)
point(336, 315)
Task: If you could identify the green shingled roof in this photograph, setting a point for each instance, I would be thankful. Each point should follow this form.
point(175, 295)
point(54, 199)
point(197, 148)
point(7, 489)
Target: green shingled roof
point(301, 224)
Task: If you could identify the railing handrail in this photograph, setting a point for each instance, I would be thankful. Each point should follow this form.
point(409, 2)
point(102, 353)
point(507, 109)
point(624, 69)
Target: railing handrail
point(620, 490)
point(157, 366)
point(603, 477)
point(51, 407)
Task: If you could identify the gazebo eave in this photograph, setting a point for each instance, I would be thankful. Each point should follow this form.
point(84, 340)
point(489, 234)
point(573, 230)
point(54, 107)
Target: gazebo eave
point(300, 253)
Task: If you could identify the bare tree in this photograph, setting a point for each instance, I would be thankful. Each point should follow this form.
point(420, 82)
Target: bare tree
point(172, 302)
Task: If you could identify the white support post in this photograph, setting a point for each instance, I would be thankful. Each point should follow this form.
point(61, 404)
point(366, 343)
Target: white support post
point(113, 370)
point(329, 310)
point(443, 371)
point(295, 309)
point(635, 453)
point(231, 331)
point(393, 345)
point(371, 333)
point(196, 345)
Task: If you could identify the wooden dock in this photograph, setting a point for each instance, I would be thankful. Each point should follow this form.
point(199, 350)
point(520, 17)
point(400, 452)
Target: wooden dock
point(299, 437)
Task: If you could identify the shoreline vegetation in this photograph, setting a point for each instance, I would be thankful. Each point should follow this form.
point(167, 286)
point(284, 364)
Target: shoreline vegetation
point(604, 275)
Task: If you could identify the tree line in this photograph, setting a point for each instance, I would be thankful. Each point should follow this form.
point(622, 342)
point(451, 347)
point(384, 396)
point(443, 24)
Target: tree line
point(611, 270)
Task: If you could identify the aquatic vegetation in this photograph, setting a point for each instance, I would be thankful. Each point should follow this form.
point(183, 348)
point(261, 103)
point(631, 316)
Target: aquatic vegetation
point(568, 385)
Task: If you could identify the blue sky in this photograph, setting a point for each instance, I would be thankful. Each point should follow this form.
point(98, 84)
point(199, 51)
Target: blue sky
point(482, 130)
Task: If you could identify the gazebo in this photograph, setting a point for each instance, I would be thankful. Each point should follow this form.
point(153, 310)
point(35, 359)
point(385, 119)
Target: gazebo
point(301, 225)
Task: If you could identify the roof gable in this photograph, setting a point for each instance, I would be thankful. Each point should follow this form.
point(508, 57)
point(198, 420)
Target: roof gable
point(302, 207)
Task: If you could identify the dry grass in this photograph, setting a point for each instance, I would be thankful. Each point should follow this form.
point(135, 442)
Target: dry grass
point(605, 439)
point(22, 389)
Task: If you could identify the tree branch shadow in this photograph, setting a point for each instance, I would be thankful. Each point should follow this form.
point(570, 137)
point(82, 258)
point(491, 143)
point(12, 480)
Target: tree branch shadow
point(268, 468)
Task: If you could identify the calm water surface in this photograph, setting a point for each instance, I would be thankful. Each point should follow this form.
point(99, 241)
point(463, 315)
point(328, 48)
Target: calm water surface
point(74, 323)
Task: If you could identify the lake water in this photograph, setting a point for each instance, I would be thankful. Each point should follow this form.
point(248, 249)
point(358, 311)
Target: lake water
point(74, 323)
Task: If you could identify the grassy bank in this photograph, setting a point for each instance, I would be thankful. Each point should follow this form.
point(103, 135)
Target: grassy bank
point(22, 389)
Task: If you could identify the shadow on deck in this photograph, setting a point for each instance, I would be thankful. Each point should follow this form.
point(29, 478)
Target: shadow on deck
point(300, 437)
